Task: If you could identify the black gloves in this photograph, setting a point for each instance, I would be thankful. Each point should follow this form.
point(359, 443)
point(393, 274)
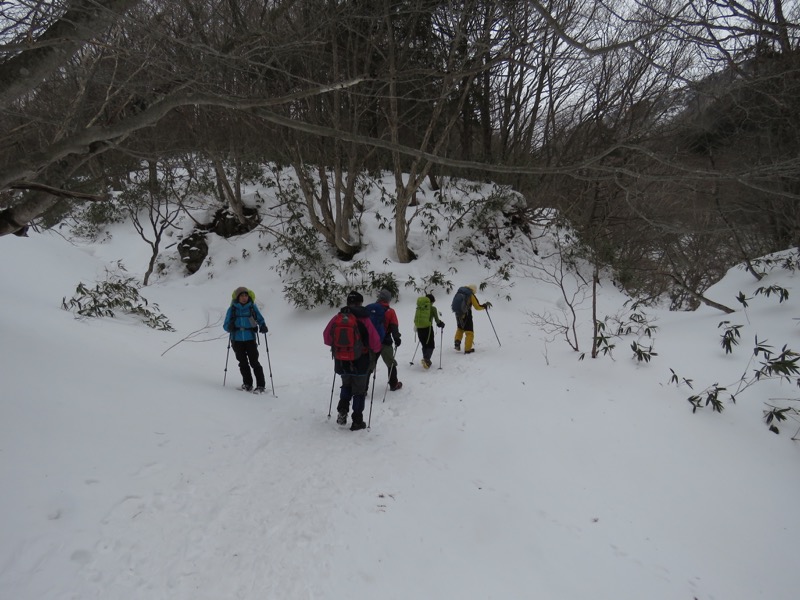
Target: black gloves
point(487, 305)
point(441, 324)
point(263, 329)
point(397, 342)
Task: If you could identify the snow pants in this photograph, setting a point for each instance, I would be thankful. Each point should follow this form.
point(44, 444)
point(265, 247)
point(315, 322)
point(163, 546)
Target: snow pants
point(355, 382)
point(465, 329)
point(427, 339)
point(247, 355)
point(387, 354)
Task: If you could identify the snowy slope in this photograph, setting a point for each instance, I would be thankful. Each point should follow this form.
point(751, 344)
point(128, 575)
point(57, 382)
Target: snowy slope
point(130, 472)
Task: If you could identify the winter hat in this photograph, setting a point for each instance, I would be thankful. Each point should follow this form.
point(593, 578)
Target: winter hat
point(239, 291)
point(430, 297)
point(385, 295)
point(354, 298)
point(473, 287)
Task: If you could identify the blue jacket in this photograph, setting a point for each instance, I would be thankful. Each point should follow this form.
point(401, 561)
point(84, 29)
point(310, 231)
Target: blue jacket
point(242, 321)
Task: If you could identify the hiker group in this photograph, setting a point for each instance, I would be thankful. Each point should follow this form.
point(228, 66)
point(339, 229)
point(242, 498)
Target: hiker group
point(358, 336)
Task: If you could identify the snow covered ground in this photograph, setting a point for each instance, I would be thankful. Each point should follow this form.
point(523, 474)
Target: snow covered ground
point(130, 473)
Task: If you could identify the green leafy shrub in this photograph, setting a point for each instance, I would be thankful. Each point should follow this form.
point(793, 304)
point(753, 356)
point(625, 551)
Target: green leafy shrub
point(642, 353)
point(781, 366)
point(632, 320)
point(311, 274)
point(602, 341)
point(313, 278)
point(781, 292)
point(115, 294)
point(730, 337)
point(711, 399)
point(428, 283)
point(635, 322)
point(90, 221)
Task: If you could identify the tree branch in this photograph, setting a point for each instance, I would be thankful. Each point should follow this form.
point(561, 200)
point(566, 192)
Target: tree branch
point(54, 191)
point(20, 74)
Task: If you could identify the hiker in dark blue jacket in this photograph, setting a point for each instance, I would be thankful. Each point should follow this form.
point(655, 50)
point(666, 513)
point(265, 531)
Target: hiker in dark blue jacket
point(384, 318)
point(243, 322)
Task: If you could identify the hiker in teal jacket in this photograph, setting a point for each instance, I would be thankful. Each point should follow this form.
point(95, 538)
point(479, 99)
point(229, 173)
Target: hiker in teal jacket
point(244, 322)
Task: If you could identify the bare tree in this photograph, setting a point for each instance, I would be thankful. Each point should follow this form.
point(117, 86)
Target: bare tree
point(650, 125)
point(153, 207)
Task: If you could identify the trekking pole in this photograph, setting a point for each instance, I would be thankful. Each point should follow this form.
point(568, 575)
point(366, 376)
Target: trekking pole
point(493, 329)
point(269, 364)
point(415, 354)
point(441, 341)
point(227, 356)
point(333, 383)
point(372, 397)
point(386, 389)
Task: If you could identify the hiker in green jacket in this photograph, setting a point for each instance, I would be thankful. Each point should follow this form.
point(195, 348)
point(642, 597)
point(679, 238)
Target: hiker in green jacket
point(424, 317)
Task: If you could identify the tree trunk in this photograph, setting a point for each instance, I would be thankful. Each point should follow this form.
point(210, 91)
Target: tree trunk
point(698, 296)
point(595, 278)
point(154, 246)
point(233, 199)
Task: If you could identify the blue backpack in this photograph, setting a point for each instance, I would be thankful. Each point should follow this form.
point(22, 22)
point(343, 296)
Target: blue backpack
point(461, 301)
point(377, 314)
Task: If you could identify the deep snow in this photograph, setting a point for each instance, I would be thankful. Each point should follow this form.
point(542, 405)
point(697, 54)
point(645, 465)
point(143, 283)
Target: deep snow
point(516, 472)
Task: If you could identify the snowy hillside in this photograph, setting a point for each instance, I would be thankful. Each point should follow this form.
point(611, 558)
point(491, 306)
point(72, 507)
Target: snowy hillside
point(130, 473)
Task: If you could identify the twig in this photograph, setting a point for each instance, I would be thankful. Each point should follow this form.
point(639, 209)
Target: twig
point(196, 333)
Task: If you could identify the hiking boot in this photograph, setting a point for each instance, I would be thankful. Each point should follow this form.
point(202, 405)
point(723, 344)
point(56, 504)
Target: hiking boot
point(259, 390)
point(396, 386)
point(247, 387)
point(358, 421)
point(426, 363)
point(457, 345)
point(470, 351)
point(341, 419)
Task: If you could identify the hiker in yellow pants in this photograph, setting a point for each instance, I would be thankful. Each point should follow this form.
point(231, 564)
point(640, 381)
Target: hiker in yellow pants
point(464, 318)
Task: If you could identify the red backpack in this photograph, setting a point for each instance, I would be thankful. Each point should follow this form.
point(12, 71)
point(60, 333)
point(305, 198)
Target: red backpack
point(347, 344)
